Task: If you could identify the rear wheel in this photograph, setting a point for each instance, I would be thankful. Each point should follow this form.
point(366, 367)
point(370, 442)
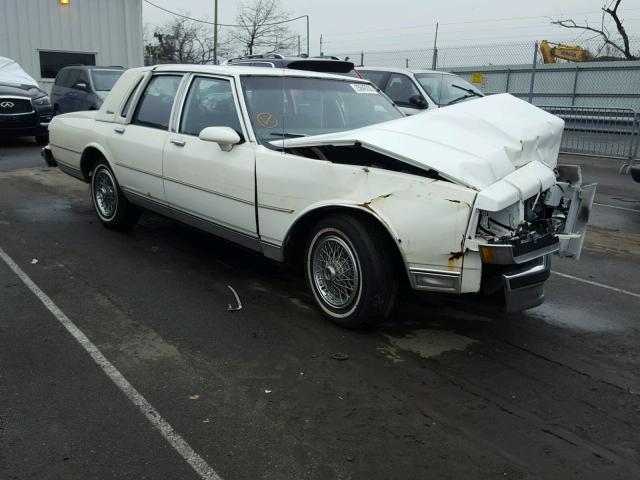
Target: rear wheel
point(111, 206)
point(349, 271)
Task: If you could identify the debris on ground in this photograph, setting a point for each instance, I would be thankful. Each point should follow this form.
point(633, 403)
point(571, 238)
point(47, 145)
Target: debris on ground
point(340, 356)
point(34, 261)
point(232, 308)
point(267, 391)
point(206, 420)
point(194, 397)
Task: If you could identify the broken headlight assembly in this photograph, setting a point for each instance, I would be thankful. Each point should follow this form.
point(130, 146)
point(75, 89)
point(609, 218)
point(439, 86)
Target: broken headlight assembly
point(552, 221)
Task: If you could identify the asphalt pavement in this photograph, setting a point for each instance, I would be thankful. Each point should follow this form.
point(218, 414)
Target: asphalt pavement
point(447, 388)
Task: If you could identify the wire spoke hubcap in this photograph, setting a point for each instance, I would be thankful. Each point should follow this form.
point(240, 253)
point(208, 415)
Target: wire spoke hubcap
point(104, 191)
point(335, 271)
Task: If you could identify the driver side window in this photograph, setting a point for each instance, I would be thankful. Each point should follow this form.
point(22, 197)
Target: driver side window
point(400, 89)
point(209, 103)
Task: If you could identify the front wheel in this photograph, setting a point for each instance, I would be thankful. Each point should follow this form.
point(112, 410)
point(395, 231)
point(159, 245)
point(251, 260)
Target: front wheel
point(350, 272)
point(111, 206)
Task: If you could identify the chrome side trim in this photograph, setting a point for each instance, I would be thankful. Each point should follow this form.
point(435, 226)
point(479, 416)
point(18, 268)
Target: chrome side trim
point(138, 170)
point(234, 236)
point(435, 280)
point(213, 192)
point(277, 209)
point(64, 148)
point(272, 251)
point(74, 172)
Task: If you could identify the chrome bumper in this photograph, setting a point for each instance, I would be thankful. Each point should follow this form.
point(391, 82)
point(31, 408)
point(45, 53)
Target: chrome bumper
point(524, 287)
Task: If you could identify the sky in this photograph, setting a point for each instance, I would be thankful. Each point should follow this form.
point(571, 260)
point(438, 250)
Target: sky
point(376, 25)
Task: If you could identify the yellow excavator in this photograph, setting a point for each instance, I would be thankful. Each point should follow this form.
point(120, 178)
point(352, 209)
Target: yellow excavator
point(572, 53)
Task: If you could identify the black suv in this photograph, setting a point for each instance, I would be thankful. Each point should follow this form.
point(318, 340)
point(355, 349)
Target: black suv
point(312, 64)
point(82, 87)
point(25, 111)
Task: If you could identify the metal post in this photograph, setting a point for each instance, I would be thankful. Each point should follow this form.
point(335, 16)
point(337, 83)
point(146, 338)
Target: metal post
point(321, 52)
point(308, 51)
point(634, 148)
point(434, 61)
point(215, 32)
point(298, 45)
point(362, 59)
point(506, 88)
point(575, 84)
point(533, 71)
point(406, 62)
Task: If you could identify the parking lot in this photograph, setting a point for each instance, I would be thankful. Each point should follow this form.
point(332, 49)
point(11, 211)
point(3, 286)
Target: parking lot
point(447, 388)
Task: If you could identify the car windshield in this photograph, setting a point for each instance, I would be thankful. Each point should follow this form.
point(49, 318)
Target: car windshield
point(291, 107)
point(445, 89)
point(104, 80)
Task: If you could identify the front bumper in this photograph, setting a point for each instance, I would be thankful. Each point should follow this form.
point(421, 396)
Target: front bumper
point(524, 286)
point(24, 125)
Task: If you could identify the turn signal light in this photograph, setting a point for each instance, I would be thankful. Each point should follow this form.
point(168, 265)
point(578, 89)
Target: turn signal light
point(496, 254)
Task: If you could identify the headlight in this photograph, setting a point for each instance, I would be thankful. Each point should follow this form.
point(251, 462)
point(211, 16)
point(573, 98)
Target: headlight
point(42, 101)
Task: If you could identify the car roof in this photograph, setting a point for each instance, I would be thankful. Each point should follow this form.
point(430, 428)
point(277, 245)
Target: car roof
point(401, 70)
point(93, 67)
point(250, 71)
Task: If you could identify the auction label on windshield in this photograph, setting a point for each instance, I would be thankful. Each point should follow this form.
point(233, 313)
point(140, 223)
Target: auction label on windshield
point(363, 88)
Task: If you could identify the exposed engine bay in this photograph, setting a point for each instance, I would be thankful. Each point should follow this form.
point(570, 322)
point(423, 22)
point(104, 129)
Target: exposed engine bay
point(552, 221)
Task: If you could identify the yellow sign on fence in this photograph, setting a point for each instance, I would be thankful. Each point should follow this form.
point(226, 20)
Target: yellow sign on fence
point(477, 78)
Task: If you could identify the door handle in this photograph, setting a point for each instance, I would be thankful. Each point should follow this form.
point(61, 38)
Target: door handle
point(119, 130)
point(178, 143)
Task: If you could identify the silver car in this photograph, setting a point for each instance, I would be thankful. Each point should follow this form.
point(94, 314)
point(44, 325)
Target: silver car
point(415, 91)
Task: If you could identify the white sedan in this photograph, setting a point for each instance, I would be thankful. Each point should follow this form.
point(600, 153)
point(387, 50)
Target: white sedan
point(325, 172)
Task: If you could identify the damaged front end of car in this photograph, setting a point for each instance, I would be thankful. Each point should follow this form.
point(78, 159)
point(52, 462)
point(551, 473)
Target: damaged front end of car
point(515, 243)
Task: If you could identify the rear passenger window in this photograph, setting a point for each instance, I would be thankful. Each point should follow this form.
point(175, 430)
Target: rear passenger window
point(127, 106)
point(209, 103)
point(154, 108)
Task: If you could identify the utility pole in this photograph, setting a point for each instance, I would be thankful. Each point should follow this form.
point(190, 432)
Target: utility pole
point(308, 51)
point(321, 52)
point(298, 45)
point(434, 62)
point(215, 32)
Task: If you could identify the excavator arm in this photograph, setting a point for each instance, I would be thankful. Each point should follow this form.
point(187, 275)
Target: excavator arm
point(572, 53)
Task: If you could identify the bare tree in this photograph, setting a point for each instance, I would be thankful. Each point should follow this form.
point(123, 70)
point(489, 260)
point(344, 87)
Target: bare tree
point(604, 33)
point(183, 41)
point(260, 27)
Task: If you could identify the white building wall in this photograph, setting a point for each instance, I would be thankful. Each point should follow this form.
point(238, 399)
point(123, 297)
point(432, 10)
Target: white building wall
point(112, 29)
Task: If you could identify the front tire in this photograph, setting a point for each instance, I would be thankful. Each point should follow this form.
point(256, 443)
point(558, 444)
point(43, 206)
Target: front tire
point(349, 271)
point(111, 206)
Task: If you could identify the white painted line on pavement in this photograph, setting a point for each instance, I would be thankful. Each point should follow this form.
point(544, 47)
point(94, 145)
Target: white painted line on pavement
point(596, 284)
point(201, 467)
point(616, 207)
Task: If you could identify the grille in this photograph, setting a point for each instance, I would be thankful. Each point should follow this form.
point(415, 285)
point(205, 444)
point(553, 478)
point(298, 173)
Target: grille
point(13, 106)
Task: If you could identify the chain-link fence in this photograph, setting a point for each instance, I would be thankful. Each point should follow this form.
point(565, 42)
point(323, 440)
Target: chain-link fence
point(601, 84)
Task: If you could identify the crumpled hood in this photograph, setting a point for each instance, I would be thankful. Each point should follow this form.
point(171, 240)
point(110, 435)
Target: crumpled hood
point(473, 143)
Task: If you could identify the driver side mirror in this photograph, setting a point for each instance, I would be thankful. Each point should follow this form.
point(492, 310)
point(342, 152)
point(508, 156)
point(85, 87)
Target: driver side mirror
point(418, 102)
point(225, 137)
point(81, 86)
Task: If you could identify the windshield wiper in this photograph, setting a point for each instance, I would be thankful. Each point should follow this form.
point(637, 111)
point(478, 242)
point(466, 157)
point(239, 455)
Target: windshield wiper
point(288, 135)
point(470, 93)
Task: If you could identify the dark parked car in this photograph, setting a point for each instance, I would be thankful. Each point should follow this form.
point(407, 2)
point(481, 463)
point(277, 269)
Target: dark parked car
point(25, 109)
point(311, 64)
point(81, 87)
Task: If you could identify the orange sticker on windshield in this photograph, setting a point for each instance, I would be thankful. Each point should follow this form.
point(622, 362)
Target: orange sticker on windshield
point(267, 120)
